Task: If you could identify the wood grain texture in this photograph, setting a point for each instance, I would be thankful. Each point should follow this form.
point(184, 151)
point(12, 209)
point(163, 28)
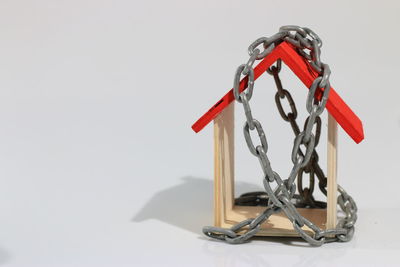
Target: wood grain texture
point(223, 164)
point(332, 173)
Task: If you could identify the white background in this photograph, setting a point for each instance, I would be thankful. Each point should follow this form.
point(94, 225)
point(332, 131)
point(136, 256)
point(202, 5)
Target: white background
point(99, 166)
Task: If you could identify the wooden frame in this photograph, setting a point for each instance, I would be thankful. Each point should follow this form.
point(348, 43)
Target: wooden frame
point(226, 214)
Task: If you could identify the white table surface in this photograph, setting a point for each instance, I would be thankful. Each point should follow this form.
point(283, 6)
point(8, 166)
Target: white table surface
point(99, 166)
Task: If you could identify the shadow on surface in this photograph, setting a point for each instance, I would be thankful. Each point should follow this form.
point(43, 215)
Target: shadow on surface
point(4, 257)
point(188, 205)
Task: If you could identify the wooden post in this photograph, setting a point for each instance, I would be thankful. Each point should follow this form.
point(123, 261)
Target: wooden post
point(224, 164)
point(332, 173)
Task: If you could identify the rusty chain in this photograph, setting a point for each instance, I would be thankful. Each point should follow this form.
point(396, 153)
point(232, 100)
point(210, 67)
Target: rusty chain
point(281, 197)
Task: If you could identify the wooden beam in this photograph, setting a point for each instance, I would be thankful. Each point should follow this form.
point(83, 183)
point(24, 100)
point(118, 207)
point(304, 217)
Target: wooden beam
point(224, 164)
point(332, 173)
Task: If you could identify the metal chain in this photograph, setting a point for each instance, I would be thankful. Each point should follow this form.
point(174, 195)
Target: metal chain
point(281, 192)
point(305, 197)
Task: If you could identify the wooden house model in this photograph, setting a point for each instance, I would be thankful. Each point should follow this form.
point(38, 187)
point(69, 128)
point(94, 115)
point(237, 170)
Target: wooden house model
point(226, 213)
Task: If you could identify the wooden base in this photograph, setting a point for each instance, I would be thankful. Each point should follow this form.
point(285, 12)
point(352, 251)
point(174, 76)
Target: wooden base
point(278, 224)
point(227, 214)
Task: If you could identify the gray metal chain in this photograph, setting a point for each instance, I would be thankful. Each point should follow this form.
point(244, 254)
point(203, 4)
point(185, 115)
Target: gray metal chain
point(305, 197)
point(281, 192)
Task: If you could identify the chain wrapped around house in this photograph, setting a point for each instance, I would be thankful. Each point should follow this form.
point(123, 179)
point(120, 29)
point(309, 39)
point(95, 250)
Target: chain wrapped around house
point(286, 207)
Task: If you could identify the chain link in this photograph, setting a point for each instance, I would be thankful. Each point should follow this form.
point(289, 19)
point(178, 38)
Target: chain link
point(279, 199)
point(305, 197)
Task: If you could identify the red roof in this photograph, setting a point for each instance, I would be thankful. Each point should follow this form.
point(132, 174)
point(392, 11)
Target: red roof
point(335, 105)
